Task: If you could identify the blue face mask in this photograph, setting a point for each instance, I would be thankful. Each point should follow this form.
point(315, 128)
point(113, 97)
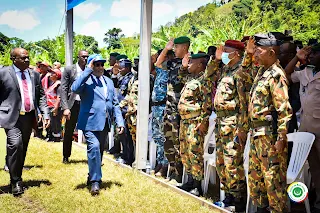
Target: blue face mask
point(225, 58)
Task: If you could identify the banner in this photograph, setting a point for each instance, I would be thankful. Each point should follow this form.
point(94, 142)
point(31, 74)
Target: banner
point(73, 3)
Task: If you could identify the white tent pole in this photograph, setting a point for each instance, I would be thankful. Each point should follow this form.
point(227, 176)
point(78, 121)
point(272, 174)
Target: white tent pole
point(69, 37)
point(144, 85)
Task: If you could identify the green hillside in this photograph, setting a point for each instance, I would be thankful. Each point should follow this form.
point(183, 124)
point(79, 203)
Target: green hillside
point(210, 24)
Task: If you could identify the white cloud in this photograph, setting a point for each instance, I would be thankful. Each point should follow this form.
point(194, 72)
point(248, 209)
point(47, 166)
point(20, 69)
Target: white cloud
point(85, 10)
point(91, 28)
point(161, 9)
point(126, 9)
point(94, 29)
point(20, 20)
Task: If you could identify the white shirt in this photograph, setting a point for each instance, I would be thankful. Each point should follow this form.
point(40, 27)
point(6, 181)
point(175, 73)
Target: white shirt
point(29, 83)
point(105, 88)
point(79, 71)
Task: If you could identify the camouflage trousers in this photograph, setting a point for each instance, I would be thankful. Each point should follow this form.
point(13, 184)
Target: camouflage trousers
point(132, 124)
point(171, 131)
point(157, 132)
point(267, 173)
point(229, 157)
point(191, 148)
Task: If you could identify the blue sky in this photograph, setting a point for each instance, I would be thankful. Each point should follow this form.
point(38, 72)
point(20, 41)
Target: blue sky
point(33, 20)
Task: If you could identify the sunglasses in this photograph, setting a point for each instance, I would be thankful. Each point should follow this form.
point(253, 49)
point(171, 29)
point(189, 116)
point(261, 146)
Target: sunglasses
point(84, 56)
point(98, 64)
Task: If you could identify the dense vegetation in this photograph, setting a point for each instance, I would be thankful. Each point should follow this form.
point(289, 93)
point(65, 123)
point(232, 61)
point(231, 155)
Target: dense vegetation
point(211, 24)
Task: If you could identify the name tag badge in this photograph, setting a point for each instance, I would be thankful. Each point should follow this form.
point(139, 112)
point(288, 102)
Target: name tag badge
point(22, 113)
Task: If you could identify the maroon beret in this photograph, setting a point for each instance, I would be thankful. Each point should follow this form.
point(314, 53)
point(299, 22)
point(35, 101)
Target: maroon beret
point(235, 44)
point(245, 38)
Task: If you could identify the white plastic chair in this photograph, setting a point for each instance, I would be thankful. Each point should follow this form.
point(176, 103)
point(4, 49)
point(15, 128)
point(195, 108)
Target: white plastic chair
point(297, 169)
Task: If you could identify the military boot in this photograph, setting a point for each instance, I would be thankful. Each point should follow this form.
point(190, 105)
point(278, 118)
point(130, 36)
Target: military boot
point(240, 204)
point(263, 210)
point(228, 201)
point(197, 190)
point(188, 185)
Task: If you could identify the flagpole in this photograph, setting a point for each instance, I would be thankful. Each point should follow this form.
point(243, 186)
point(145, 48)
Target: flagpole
point(69, 36)
point(144, 85)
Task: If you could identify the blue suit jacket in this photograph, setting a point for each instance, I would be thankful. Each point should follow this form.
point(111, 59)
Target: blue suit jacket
point(94, 107)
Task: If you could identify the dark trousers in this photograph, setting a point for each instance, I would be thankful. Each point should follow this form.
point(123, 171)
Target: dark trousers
point(55, 123)
point(127, 144)
point(69, 129)
point(17, 145)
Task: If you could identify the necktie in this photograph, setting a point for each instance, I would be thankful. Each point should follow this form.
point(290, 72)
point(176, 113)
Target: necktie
point(25, 92)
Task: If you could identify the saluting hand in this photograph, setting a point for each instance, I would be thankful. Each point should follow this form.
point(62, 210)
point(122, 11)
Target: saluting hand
point(250, 46)
point(304, 53)
point(170, 44)
point(219, 52)
point(154, 58)
point(185, 60)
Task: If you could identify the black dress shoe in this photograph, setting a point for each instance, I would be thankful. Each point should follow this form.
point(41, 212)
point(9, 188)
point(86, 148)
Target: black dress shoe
point(65, 160)
point(17, 188)
point(95, 189)
point(263, 210)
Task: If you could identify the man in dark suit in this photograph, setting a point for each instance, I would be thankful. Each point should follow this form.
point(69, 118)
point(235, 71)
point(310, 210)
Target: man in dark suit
point(21, 97)
point(70, 102)
point(99, 103)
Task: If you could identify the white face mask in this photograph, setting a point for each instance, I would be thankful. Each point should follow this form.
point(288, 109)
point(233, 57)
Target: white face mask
point(225, 58)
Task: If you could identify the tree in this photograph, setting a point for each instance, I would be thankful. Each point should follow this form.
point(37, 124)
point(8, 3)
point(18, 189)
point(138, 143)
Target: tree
point(112, 38)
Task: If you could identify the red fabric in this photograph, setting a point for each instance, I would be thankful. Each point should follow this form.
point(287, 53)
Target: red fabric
point(51, 94)
point(27, 105)
point(235, 44)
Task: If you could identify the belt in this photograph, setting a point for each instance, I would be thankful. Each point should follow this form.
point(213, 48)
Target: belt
point(190, 115)
point(224, 113)
point(256, 124)
point(158, 103)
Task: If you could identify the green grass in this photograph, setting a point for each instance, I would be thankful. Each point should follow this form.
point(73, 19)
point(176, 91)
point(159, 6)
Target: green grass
point(226, 9)
point(55, 187)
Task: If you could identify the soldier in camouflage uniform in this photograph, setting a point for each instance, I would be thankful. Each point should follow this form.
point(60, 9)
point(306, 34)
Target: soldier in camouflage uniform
point(230, 104)
point(159, 99)
point(123, 90)
point(131, 103)
point(269, 114)
point(195, 108)
point(116, 76)
point(172, 118)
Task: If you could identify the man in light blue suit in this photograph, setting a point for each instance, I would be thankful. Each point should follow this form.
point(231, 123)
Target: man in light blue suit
point(98, 105)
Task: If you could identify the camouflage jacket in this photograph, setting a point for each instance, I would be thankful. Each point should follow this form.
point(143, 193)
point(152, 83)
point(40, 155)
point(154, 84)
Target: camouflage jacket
point(131, 100)
point(174, 84)
point(160, 88)
point(196, 101)
point(233, 93)
point(269, 93)
point(123, 85)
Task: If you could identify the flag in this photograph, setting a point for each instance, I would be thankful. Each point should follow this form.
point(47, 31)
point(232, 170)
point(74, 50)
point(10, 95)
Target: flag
point(73, 3)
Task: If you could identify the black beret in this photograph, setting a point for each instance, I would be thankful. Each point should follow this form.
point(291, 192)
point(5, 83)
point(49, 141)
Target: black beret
point(182, 40)
point(114, 54)
point(125, 63)
point(121, 57)
point(198, 55)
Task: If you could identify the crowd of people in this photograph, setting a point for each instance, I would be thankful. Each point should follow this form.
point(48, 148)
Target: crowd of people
point(267, 85)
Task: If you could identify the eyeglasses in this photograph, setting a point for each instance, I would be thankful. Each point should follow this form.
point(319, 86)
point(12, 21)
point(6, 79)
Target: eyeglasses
point(98, 64)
